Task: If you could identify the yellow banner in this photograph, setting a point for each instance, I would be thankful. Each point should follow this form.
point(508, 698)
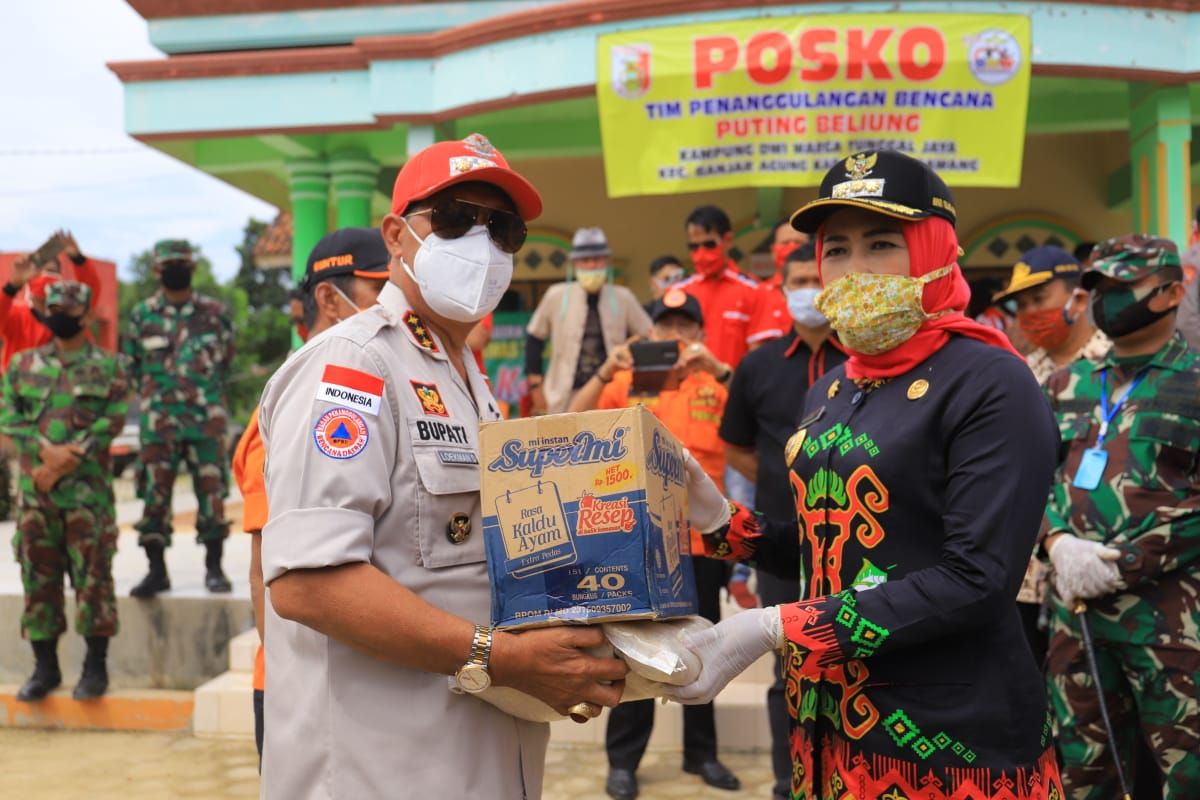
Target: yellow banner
point(777, 101)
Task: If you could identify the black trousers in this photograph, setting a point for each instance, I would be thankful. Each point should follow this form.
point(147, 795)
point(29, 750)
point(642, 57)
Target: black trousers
point(258, 725)
point(630, 724)
point(773, 591)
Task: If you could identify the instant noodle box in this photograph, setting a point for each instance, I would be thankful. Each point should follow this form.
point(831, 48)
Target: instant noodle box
point(585, 519)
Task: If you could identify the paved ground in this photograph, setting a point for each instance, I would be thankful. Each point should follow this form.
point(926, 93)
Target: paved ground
point(64, 765)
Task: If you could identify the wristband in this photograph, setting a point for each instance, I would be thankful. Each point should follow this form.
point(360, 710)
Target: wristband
point(10, 289)
point(602, 378)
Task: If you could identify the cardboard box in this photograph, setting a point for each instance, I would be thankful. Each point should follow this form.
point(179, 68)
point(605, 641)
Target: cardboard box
point(585, 519)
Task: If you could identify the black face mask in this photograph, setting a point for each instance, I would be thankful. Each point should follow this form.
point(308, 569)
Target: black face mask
point(176, 275)
point(62, 324)
point(1118, 312)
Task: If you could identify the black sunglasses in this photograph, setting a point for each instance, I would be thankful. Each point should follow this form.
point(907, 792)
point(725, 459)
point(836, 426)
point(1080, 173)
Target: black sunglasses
point(451, 218)
point(707, 244)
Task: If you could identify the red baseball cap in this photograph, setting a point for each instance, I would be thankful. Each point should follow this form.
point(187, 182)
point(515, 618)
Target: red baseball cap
point(472, 159)
point(38, 284)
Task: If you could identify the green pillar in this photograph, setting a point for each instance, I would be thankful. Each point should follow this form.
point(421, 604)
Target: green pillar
point(308, 184)
point(354, 176)
point(1160, 140)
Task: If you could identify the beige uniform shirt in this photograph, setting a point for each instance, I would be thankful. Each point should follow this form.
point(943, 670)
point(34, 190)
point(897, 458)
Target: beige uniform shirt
point(372, 446)
point(559, 320)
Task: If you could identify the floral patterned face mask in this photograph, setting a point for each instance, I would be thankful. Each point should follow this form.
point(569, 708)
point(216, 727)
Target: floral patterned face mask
point(873, 314)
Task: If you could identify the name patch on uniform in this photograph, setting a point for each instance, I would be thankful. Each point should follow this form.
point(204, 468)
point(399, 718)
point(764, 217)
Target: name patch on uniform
point(430, 399)
point(155, 342)
point(431, 431)
point(341, 433)
point(458, 458)
point(352, 388)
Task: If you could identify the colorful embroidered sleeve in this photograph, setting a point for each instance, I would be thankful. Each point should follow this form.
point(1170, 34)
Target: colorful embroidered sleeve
point(994, 483)
point(752, 539)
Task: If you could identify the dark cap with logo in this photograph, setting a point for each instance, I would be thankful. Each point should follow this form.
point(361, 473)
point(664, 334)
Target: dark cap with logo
point(1040, 265)
point(882, 181)
point(1130, 258)
point(347, 251)
point(677, 301)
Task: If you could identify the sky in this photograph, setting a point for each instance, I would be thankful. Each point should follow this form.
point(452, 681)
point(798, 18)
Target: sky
point(65, 160)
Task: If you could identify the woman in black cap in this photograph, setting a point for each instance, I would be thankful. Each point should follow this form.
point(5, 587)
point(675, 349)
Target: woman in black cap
point(920, 471)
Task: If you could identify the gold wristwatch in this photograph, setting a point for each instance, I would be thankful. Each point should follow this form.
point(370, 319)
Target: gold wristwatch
point(472, 677)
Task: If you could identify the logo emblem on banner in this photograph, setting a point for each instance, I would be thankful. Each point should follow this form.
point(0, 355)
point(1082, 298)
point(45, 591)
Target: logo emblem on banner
point(994, 57)
point(341, 433)
point(631, 70)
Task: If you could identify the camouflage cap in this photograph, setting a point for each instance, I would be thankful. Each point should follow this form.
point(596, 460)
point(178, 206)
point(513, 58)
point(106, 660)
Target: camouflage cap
point(68, 293)
point(1130, 258)
point(173, 250)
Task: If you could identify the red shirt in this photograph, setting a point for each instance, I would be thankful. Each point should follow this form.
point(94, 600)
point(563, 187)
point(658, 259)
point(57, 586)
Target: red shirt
point(18, 326)
point(730, 302)
point(773, 318)
point(489, 325)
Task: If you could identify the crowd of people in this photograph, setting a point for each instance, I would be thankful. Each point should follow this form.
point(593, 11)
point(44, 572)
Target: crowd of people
point(975, 537)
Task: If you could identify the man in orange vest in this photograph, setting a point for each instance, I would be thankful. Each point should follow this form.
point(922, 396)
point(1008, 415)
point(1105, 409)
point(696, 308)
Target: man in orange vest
point(693, 413)
point(345, 272)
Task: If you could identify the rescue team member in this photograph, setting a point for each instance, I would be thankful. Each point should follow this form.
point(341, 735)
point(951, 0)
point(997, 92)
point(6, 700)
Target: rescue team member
point(373, 553)
point(63, 402)
point(1123, 529)
point(916, 507)
point(765, 399)
point(692, 412)
point(772, 319)
point(180, 348)
point(585, 318)
point(1052, 315)
point(345, 272)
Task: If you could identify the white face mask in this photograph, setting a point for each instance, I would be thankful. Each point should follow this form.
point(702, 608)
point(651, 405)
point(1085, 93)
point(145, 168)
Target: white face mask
point(800, 306)
point(460, 279)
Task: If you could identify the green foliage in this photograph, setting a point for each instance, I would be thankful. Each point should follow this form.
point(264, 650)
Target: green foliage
point(256, 300)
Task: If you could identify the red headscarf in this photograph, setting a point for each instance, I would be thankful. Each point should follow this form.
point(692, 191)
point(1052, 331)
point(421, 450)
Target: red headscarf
point(932, 245)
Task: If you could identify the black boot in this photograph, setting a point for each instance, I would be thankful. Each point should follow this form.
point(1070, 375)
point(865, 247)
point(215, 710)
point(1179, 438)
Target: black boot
point(214, 579)
point(93, 682)
point(156, 579)
point(46, 675)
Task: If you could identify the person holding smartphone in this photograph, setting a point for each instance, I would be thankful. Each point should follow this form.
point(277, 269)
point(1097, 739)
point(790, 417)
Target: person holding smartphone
point(691, 410)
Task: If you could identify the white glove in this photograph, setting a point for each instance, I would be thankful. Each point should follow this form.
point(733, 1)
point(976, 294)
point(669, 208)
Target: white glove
point(1083, 569)
point(708, 509)
point(727, 649)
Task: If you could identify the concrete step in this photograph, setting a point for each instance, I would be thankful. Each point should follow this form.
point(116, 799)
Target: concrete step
point(224, 707)
point(119, 710)
point(242, 649)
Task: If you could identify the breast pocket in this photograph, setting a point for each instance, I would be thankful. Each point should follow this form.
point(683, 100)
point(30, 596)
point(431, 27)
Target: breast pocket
point(1075, 433)
point(200, 351)
point(1164, 449)
point(89, 404)
point(449, 529)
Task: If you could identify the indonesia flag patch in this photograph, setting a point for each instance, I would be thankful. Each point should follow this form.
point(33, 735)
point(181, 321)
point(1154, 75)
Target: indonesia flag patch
point(351, 388)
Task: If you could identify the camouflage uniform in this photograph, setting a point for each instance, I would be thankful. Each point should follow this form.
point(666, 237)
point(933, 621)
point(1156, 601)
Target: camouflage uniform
point(179, 358)
point(56, 398)
point(1147, 505)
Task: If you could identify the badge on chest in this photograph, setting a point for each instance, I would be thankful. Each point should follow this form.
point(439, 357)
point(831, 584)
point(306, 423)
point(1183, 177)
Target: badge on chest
point(1091, 469)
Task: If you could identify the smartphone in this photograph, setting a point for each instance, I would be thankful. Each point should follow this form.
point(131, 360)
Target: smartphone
point(49, 251)
point(654, 366)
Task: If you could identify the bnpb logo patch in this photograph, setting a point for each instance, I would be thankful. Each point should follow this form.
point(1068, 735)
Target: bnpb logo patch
point(341, 433)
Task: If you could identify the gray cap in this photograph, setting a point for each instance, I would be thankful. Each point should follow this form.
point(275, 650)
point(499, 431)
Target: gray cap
point(589, 243)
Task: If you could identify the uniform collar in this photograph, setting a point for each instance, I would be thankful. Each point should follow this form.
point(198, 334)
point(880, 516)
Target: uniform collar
point(397, 312)
point(1173, 356)
point(163, 305)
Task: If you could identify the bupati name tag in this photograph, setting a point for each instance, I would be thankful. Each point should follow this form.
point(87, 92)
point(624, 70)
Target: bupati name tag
point(155, 342)
point(1091, 469)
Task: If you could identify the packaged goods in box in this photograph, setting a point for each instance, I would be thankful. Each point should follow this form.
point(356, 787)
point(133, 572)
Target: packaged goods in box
point(585, 519)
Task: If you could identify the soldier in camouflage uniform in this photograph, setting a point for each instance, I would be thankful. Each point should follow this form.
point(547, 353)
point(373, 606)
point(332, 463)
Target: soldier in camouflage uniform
point(1122, 529)
point(62, 404)
point(180, 346)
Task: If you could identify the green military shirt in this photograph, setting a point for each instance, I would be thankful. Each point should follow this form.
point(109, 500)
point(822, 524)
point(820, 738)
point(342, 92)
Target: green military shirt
point(60, 398)
point(1147, 503)
point(179, 359)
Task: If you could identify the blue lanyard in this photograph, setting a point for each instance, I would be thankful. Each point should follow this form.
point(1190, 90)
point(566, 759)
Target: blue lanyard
point(1109, 414)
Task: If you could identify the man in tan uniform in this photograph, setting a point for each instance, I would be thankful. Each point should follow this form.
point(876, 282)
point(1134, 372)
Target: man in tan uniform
point(373, 552)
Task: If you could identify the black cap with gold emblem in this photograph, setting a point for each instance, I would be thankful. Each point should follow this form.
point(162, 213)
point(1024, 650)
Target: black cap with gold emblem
point(882, 181)
point(676, 300)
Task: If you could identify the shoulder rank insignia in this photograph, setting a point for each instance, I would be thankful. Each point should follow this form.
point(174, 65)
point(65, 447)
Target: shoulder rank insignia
point(416, 326)
point(794, 443)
